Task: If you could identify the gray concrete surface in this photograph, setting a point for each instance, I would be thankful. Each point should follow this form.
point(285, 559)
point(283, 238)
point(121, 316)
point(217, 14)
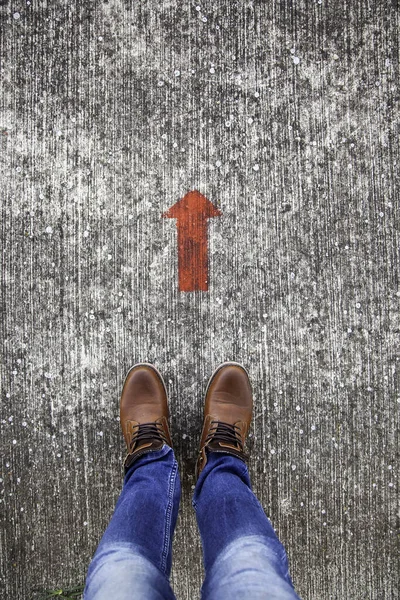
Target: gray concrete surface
point(284, 114)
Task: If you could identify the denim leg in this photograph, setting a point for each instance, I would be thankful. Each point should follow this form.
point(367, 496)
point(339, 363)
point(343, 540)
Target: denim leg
point(133, 559)
point(243, 556)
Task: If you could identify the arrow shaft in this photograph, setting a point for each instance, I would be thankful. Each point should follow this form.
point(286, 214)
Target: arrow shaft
point(192, 213)
point(192, 254)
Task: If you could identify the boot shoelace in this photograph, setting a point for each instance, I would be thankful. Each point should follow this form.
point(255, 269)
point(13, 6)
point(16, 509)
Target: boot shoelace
point(225, 432)
point(147, 431)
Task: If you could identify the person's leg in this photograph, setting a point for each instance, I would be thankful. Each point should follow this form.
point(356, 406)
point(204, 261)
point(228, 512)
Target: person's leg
point(133, 559)
point(242, 555)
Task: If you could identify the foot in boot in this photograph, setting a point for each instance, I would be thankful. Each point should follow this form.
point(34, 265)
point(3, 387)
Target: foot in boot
point(227, 413)
point(144, 412)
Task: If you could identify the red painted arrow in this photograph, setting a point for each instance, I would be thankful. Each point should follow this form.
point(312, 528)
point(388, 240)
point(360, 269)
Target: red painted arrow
point(192, 212)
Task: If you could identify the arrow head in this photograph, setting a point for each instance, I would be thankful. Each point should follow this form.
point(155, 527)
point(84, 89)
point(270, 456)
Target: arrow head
point(193, 203)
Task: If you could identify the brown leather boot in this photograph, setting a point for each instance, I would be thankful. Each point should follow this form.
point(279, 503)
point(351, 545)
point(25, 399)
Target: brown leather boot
point(227, 413)
point(144, 412)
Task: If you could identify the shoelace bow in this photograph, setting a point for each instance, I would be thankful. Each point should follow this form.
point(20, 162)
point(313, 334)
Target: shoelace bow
point(225, 432)
point(146, 431)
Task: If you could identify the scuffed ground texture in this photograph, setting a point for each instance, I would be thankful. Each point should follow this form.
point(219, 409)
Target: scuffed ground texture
point(285, 115)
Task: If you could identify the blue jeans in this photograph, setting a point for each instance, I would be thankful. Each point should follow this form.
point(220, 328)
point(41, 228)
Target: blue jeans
point(242, 554)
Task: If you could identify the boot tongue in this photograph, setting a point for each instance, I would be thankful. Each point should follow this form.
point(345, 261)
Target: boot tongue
point(146, 436)
point(216, 445)
point(147, 442)
point(217, 442)
point(226, 440)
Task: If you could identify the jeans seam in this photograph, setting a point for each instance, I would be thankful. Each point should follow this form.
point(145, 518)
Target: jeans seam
point(168, 516)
